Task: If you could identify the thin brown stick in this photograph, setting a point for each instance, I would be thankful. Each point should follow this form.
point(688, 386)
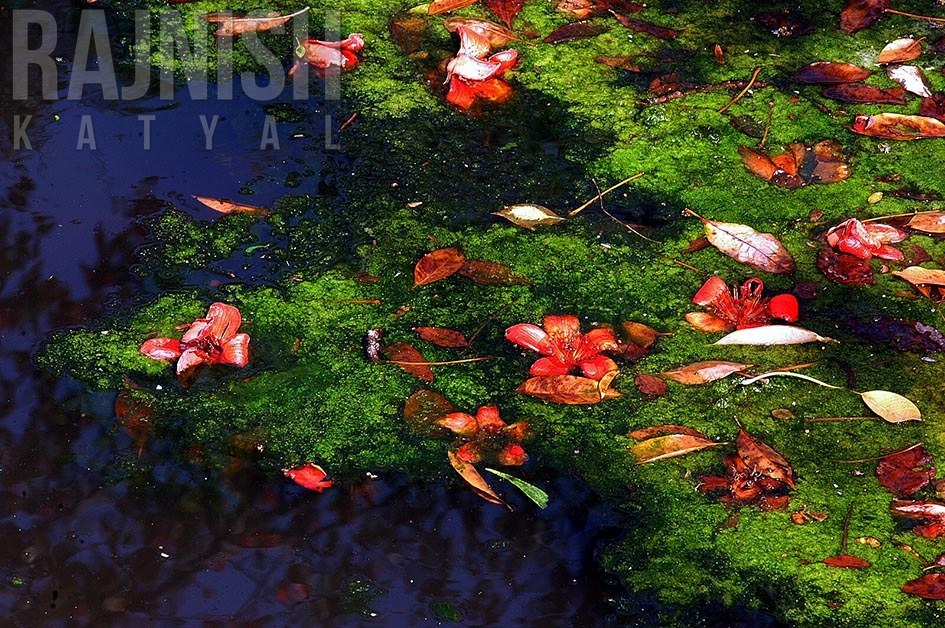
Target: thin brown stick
point(918, 17)
point(689, 267)
point(575, 212)
point(659, 100)
point(751, 82)
point(929, 211)
point(892, 453)
point(846, 529)
point(764, 136)
point(830, 419)
point(346, 123)
point(464, 361)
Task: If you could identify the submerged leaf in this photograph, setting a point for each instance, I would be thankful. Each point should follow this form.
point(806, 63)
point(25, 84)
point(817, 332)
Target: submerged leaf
point(860, 14)
point(474, 479)
point(409, 359)
point(747, 246)
point(905, 472)
point(573, 31)
point(531, 491)
point(708, 323)
point(529, 216)
point(901, 333)
point(639, 26)
point(442, 337)
point(891, 407)
point(863, 93)
point(445, 6)
point(567, 389)
point(933, 222)
point(772, 335)
point(650, 385)
point(505, 10)
point(830, 73)
point(226, 206)
point(645, 433)
point(703, 372)
point(764, 459)
point(438, 265)
point(843, 268)
point(639, 334)
point(846, 561)
point(931, 586)
point(916, 275)
point(423, 409)
point(491, 274)
point(670, 446)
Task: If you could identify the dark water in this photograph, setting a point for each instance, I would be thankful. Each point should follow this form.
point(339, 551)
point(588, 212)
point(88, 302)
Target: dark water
point(87, 541)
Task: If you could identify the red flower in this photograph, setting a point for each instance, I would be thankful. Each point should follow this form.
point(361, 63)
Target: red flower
point(323, 55)
point(210, 340)
point(472, 75)
point(745, 306)
point(487, 435)
point(310, 476)
point(565, 347)
point(864, 240)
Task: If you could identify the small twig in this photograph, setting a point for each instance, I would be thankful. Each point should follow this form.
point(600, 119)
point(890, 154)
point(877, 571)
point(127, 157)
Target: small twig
point(346, 123)
point(575, 212)
point(846, 528)
point(875, 458)
point(752, 380)
point(913, 15)
point(764, 136)
point(659, 100)
point(830, 419)
point(751, 82)
point(464, 361)
point(688, 267)
point(874, 219)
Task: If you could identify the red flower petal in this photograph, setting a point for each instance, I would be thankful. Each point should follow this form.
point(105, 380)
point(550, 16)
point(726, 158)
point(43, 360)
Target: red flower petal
point(597, 367)
point(460, 94)
point(494, 90)
point(531, 337)
point(161, 349)
point(784, 307)
point(200, 328)
point(517, 431)
point(711, 290)
point(506, 60)
point(310, 476)
point(887, 252)
point(597, 340)
point(191, 359)
point(488, 416)
point(472, 69)
point(469, 453)
point(564, 327)
point(235, 351)
point(472, 43)
point(459, 423)
point(512, 455)
point(225, 321)
point(544, 367)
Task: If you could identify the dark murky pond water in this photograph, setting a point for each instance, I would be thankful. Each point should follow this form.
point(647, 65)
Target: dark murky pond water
point(84, 544)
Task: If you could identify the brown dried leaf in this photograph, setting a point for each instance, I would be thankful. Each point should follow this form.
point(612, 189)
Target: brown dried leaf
point(843, 268)
point(622, 63)
point(846, 561)
point(567, 389)
point(905, 472)
point(933, 107)
point(445, 6)
point(747, 246)
point(529, 216)
point(639, 26)
point(409, 359)
point(860, 14)
point(442, 337)
point(650, 385)
point(830, 73)
point(931, 586)
point(573, 31)
point(900, 50)
point(497, 35)
point(474, 479)
point(763, 459)
point(670, 446)
point(772, 335)
point(708, 323)
point(226, 206)
point(423, 409)
point(407, 30)
point(863, 93)
point(911, 78)
point(491, 274)
point(896, 126)
point(505, 10)
point(229, 25)
point(703, 372)
point(916, 275)
point(929, 223)
point(757, 162)
point(645, 433)
point(639, 334)
point(438, 265)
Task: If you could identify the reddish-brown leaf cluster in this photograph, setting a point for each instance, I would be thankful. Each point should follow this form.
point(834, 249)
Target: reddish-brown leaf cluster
point(757, 475)
point(860, 14)
point(799, 165)
point(852, 244)
point(929, 514)
point(906, 472)
point(931, 586)
point(443, 263)
point(505, 10)
point(486, 436)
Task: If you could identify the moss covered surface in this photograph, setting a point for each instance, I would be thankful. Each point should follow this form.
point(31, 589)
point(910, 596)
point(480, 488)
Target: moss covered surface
point(418, 175)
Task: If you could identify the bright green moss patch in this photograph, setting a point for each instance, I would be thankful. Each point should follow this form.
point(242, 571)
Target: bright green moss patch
point(416, 175)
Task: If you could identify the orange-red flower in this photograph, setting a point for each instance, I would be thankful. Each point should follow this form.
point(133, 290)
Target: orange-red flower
point(323, 55)
point(487, 435)
point(472, 75)
point(564, 346)
point(744, 306)
point(864, 240)
point(310, 476)
point(210, 340)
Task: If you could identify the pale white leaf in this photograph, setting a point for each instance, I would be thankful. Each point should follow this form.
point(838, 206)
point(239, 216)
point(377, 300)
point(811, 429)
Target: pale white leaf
point(772, 335)
point(911, 79)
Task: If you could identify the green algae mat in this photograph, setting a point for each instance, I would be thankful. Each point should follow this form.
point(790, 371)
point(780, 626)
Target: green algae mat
point(542, 343)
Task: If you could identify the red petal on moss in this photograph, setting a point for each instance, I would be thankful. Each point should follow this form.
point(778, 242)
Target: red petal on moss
point(562, 326)
point(191, 359)
point(512, 455)
point(518, 431)
point(598, 366)
point(931, 586)
point(488, 416)
point(224, 320)
point(236, 351)
point(531, 337)
point(459, 423)
point(784, 307)
point(161, 348)
point(469, 453)
point(597, 340)
point(442, 337)
point(543, 367)
point(846, 561)
point(711, 290)
point(310, 476)
point(460, 94)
